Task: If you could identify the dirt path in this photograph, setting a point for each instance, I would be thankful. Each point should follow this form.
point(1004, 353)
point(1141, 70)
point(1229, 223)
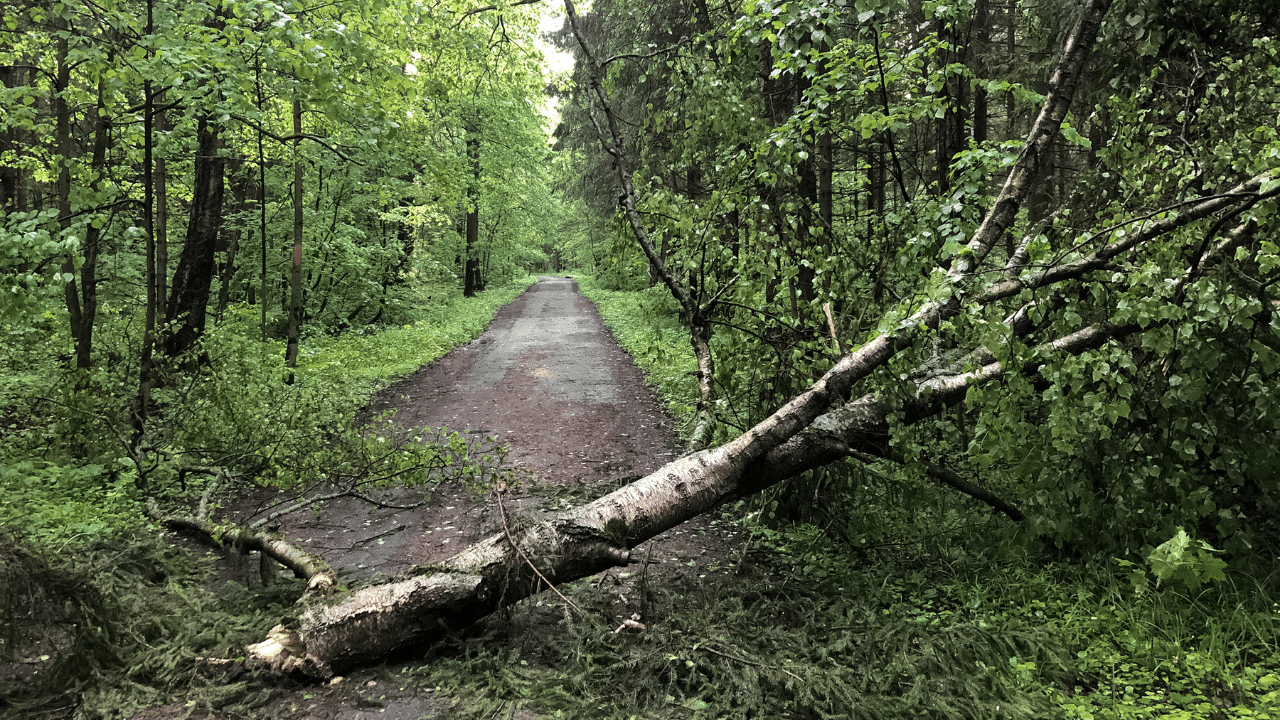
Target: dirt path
point(549, 381)
point(546, 380)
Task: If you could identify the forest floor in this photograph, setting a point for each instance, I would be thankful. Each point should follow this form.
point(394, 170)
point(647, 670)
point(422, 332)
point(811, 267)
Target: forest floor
point(547, 381)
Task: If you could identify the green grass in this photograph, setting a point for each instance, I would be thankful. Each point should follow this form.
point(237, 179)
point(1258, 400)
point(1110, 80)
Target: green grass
point(239, 413)
point(647, 325)
point(906, 636)
point(445, 321)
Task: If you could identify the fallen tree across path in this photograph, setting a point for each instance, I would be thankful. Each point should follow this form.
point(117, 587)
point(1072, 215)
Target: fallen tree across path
point(836, 417)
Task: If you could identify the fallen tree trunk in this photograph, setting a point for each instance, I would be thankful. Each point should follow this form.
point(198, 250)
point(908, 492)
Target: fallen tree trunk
point(363, 626)
point(310, 567)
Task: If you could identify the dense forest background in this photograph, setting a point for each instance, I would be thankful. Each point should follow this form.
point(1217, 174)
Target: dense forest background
point(224, 224)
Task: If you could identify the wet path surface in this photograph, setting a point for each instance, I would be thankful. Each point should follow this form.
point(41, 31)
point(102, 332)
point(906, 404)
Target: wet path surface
point(548, 381)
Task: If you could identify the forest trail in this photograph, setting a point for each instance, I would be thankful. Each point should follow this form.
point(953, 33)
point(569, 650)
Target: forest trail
point(547, 381)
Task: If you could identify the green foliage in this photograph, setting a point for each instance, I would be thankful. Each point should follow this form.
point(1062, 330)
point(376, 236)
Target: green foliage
point(239, 414)
point(795, 628)
point(26, 247)
point(1141, 655)
point(141, 618)
point(1180, 560)
point(59, 505)
point(1190, 563)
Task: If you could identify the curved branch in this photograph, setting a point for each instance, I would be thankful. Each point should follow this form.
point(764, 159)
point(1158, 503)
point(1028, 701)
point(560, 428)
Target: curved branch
point(642, 56)
point(1099, 259)
point(319, 576)
point(297, 136)
point(949, 478)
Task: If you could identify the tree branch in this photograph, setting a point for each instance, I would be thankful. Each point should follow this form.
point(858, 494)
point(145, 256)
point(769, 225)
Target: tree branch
point(297, 136)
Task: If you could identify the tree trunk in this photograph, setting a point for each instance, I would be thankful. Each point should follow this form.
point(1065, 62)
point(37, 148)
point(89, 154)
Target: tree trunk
point(162, 220)
point(295, 273)
point(88, 310)
point(11, 179)
point(81, 297)
point(192, 280)
point(66, 148)
point(262, 212)
point(227, 273)
point(146, 364)
point(981, 41)
point(471, 269)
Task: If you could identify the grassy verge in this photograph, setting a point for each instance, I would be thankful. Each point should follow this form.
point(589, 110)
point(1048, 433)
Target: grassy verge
point(647, 325)
point(239, 410)
point(445, 321)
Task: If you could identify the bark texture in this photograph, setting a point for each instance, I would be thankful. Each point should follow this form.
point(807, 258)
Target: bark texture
point(312, 568)
point(471, 261)
point(189, 297)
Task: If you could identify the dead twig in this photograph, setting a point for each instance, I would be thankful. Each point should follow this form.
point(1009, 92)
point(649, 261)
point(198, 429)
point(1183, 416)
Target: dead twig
point(744, 661)
point(502, 511)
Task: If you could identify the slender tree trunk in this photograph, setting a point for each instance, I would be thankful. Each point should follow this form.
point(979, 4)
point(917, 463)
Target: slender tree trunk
point(955, 94)
point(262, 211)
point(978, 66)
point(295, 274)
point(471, 269)
point(162, 220)
point(81, 296)
point(66, 149)
point(809, 236)
point(1011, 51)
point(10, 176)
point(227, 274)
point(88, 310)
point(146, 369)
point(692, 314)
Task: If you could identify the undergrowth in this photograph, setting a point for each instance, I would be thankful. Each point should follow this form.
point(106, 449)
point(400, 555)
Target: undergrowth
point(97, 616)
point(67, 472)
point(140, 617)
point(907, 636)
